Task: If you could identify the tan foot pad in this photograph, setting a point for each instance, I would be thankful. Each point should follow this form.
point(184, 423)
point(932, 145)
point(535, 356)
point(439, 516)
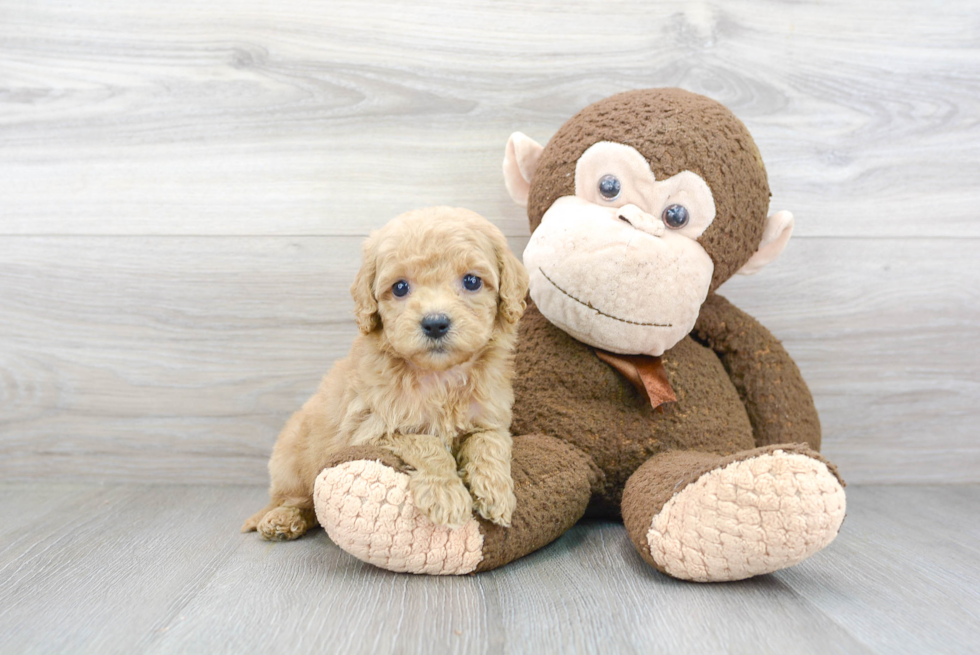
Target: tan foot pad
point(751, 517)
point(367, 510)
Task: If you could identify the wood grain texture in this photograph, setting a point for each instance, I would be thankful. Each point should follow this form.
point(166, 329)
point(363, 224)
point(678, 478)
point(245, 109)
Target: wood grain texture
point(250, 117)
point(183, 187)
point(928, 544)
point(92, 575)
point(179, 359)
point(162, 569)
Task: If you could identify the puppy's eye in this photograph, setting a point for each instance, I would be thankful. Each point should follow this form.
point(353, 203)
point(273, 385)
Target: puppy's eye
point(400, 289)
point(676, 216)
point(610, 187)
point(472, 282)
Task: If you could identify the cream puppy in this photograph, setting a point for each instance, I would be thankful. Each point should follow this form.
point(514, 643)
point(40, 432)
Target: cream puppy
point(437, 302)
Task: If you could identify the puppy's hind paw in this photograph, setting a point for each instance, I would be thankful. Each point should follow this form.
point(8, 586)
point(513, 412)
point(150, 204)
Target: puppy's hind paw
point(286, 523)
point(444, 501)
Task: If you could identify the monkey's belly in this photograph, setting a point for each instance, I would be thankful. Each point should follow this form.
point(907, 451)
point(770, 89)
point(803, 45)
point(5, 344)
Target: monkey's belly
point(562, 389)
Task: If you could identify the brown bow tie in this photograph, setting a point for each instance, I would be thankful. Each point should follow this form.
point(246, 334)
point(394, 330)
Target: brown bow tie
point(645, 372)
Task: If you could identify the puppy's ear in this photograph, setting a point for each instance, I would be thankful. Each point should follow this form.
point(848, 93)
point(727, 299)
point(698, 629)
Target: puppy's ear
point(365, 304)
point(513, 283)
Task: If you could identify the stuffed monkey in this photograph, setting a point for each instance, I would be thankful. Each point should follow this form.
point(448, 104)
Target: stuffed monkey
point(640, 393)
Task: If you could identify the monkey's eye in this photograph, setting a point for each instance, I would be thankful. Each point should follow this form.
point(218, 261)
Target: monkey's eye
point(676, 216)
point(610, 187)
point(400, 289)
point(472, 282)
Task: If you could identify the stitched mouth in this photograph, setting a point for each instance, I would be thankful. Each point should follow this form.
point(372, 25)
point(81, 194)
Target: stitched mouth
point(599, 311)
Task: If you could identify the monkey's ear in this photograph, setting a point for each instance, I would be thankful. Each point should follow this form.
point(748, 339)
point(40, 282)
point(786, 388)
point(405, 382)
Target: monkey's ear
point(520, 161)
point(365, 304)
point(779, 227)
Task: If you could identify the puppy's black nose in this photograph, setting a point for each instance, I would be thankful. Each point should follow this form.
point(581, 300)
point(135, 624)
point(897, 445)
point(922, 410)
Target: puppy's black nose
point(435, 326)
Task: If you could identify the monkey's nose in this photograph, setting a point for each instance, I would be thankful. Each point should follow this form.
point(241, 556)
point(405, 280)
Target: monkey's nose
point(435, 326)
point(641, 220)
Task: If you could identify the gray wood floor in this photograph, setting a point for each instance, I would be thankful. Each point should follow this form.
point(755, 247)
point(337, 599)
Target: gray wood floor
point(162, 569)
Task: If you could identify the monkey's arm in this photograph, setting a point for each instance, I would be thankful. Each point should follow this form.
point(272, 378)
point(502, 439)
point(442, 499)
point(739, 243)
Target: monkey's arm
point(777, 399)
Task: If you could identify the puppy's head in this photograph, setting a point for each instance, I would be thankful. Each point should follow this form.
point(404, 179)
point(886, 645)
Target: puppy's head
point(439, 283)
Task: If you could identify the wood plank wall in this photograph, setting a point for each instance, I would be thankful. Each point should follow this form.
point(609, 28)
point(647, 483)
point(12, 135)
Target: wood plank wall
point(184, 187)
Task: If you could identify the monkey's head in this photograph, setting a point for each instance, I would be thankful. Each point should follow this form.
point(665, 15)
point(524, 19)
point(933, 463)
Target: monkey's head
point(641, 205)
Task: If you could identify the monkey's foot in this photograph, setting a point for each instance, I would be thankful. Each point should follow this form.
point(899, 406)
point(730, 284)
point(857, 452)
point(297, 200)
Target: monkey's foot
point(364, 500)
point(367, 509)
point(769, 510)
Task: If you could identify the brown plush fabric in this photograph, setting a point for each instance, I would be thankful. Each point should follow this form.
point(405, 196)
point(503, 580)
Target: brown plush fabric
point(768, 381)
point(372, 453)
point(667, 474)
point(675, 130)
point(563, 389)
point(553, 482)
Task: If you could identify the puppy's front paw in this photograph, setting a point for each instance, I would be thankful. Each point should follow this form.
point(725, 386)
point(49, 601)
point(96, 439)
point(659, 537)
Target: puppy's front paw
point(494, 499)
point(445, 501)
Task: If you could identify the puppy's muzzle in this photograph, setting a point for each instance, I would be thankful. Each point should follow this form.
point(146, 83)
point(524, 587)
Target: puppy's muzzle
point(435, 326)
